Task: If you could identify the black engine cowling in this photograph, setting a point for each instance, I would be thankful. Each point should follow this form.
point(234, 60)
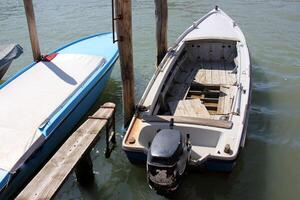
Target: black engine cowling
point(167, 160)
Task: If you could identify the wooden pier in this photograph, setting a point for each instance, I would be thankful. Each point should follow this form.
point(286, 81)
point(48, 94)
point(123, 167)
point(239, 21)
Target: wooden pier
point(74, 153)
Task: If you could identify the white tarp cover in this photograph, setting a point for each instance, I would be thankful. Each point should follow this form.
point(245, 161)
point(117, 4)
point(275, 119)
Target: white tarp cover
point(29, 100)
point(216, 26)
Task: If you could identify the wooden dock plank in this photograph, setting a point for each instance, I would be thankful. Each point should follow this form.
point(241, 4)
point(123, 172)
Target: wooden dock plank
point(48, 181)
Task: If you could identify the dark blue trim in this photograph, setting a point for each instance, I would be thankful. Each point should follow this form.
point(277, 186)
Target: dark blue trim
point(210, 165)
point(4, 177)
point(136, 157)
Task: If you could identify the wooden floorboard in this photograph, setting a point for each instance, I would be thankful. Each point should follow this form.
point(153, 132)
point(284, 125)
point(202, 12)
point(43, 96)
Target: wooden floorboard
point(207, 73)
point(226, 99)
point(217, 73)
point(222, 74)
point(230, 77)
point(189, 108)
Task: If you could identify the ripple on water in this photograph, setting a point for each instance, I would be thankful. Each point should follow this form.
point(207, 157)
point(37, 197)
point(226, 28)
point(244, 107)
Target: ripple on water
point(272, 30)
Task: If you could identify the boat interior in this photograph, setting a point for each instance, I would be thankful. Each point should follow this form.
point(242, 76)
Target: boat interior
point(202, 82)
point(199, 90)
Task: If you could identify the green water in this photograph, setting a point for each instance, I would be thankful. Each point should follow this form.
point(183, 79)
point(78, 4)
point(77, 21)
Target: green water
point(268, 167)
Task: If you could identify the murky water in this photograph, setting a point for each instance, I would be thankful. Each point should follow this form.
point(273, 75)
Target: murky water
point(268, 167)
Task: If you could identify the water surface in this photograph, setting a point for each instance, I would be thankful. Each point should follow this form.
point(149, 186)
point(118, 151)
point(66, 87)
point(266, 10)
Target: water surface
point(268, 167)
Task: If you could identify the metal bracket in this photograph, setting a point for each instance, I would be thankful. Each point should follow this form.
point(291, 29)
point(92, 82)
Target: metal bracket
point(120, 17)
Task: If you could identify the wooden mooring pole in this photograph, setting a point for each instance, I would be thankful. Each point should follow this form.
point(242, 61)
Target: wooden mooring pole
point(37, 56)
point(161, 15)
point(124, 35)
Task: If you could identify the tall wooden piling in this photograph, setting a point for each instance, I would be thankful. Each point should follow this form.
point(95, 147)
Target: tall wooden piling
point(84, 170)
point(161, 15)
point(124, 35)
point(32, 30)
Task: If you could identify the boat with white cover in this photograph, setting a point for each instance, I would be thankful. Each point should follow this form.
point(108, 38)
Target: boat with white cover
point(202, 89)
point(42, 103)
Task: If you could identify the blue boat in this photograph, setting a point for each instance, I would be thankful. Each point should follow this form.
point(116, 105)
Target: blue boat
point(41, 104)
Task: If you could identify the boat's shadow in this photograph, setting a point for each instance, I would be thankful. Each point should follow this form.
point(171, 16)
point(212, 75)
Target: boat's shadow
point(60, 73)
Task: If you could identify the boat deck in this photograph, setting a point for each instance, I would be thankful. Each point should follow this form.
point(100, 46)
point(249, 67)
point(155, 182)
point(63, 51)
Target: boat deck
point(215, 73)
point(203, 89)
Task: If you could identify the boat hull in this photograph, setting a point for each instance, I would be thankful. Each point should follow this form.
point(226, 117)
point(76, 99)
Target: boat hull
point(80, 106)
point(7, 54)
point(3, 69)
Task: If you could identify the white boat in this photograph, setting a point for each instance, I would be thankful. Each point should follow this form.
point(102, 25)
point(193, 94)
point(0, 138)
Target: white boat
point(203, 85)
point(7, 54)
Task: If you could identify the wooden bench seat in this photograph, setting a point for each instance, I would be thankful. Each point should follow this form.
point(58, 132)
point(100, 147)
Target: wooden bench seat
point(188, 120)
point(189, 108)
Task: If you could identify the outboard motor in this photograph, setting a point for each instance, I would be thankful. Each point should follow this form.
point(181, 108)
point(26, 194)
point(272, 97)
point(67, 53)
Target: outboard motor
point(167, 160)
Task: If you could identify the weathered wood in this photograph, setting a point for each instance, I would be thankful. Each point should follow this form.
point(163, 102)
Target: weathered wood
point(124, 34)
point(84, 170)
point(188, 120)
point(161, 15)
point(222, 73)
point(218, 73)
point(189, 108)
point(207, 71)
point(73, 152)
point(37, 56)
point(200, 76)
point(226, 98)
point(230, 77)
point(215, 73)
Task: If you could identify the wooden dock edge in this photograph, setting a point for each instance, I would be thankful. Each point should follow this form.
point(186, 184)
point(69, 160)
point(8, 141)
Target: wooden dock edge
point(74, 153)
